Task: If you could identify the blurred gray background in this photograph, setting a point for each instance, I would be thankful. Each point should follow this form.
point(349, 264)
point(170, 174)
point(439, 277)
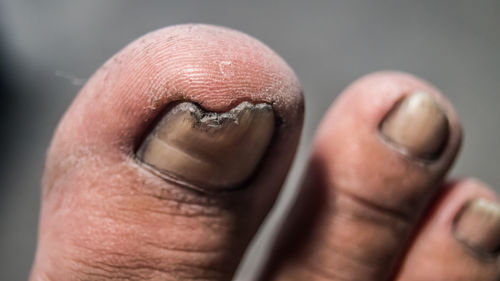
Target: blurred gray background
point(49, 48)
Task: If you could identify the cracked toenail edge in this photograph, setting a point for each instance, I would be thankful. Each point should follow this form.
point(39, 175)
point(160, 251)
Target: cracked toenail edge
point(417, 126)
point(209, 150)
point(477, 226)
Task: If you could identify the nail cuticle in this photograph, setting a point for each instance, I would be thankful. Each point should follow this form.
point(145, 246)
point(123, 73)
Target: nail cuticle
point(180, 182)
point(477, 252)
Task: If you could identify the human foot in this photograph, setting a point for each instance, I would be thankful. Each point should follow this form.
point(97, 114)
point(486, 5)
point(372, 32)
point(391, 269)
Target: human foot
point(170, 157)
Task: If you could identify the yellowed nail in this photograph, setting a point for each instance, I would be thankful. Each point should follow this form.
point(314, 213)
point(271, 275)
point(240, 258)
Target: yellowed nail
point(478, 225)
point(208, 149)
point(418, 126)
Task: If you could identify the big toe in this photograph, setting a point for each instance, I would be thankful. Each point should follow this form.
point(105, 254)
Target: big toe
point(168, 160)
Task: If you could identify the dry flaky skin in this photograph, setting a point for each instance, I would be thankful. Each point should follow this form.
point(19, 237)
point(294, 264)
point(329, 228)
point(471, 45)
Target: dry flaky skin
point(209, 149)
point(417, 125)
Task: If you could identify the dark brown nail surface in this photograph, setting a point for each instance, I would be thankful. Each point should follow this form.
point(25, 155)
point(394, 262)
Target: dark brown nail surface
point(215, 150)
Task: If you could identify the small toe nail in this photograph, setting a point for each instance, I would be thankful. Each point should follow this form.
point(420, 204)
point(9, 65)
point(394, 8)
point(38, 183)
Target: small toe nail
point(478, 225)
point(418, 126)
point(209, 149)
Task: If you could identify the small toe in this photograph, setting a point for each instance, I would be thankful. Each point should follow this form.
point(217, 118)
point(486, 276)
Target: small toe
point(459, 238)
point(379, 157)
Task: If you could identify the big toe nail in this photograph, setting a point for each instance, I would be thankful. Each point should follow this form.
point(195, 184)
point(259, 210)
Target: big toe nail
point(213, 149)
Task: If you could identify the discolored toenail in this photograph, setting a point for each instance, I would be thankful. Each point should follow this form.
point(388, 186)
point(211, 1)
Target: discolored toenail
point(209, 149)
point(478, 225)
point(418, 126)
